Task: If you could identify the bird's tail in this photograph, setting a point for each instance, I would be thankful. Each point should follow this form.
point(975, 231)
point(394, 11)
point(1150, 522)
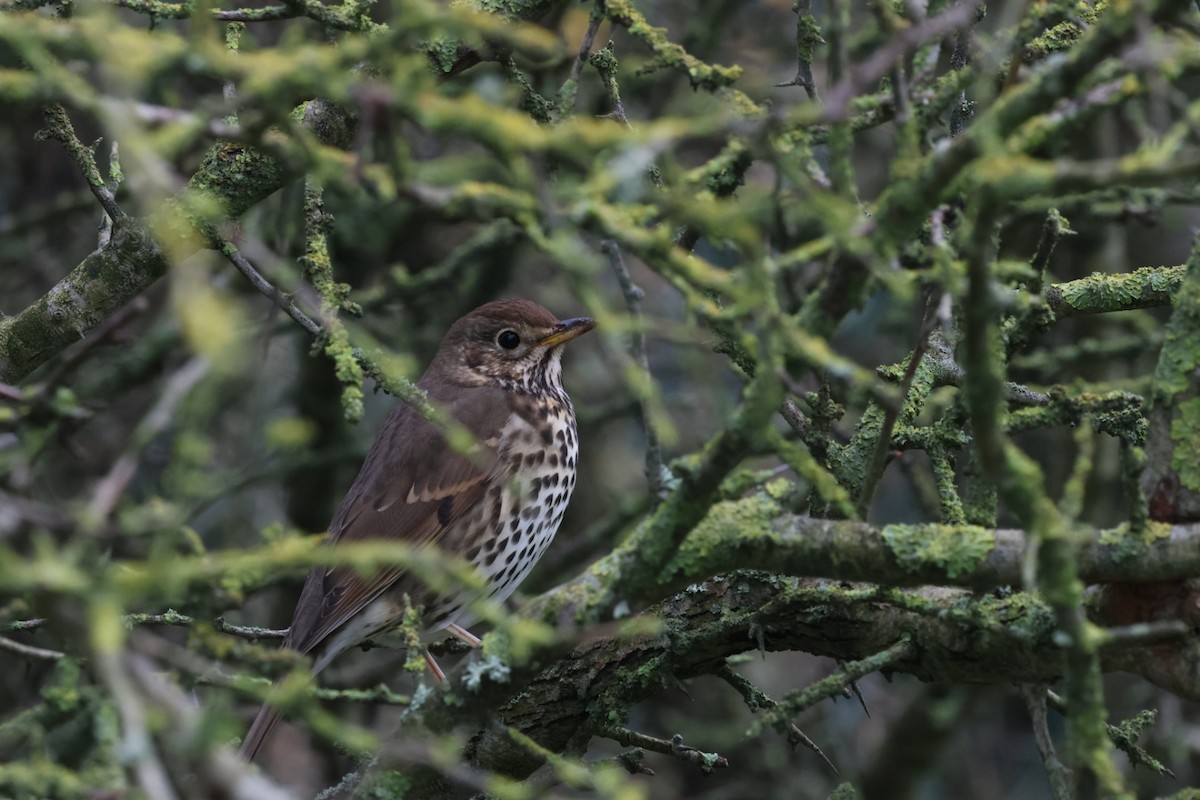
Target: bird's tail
point(264, 723)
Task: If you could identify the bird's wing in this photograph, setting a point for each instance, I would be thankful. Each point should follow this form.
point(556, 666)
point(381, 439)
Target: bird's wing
point(412, 487)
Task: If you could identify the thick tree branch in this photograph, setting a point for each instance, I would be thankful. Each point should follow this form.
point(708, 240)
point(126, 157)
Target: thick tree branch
point(954, 636)
point(236, 176)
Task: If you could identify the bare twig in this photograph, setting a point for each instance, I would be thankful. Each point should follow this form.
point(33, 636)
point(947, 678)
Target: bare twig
point(219, 767)
point(1144, 633)
point(19, 508)
point(960, 58)
point(29, 650)
point(24, 625)
point(1056, 771)
point(137, 744)
point(172, 618)
point(794, 417)
point(656, 470)
point(103, 332)
point(757, 700)
point(585, 47)
point(230, 251)
point(110, 488)
point(152, 114)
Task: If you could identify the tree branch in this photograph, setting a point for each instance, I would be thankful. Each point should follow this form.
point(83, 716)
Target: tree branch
point(236, 176)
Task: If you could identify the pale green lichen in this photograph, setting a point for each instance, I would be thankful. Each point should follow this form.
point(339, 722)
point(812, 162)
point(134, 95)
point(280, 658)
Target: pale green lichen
point(1130, 542)
point(729, 528)
point(1113, 292)
point(491, 668)
point(1185, 433)
point(958, 549)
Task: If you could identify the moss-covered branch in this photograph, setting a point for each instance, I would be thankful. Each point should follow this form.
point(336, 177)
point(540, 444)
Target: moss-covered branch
point(233, 176)
point(953, 636)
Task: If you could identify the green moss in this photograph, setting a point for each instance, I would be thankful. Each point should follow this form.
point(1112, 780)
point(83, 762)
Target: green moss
point(668, 54)
point(1113, 292)
point(1185, 437)
point(513, 9)
point(443, 53)
point(62, 692)
point(333, 125)
point(1181, 346)
point(237, 176)
point(387, 785)
point(1125, 736)
point(103, 282)
point(845, 791)
point(728, 529)
point(43, 780)
point(958, 549)
point(1130, 543)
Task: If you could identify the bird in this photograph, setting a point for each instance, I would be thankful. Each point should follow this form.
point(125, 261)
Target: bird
point(497, 373)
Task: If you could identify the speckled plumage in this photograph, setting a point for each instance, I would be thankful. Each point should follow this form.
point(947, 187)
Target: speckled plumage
point(498, 506)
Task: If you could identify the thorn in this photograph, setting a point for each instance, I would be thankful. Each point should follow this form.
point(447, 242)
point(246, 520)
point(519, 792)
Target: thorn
point(798, 737)
point(858, 693)
point(756, 633)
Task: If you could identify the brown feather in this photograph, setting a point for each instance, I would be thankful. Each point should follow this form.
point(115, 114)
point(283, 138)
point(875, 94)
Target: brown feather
point(391, 472)
point(413, 486)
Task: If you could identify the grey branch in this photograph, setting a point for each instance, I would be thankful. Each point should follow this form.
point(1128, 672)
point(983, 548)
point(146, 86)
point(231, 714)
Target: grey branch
point(656, 470)
point(672, 747)
point(265, 287)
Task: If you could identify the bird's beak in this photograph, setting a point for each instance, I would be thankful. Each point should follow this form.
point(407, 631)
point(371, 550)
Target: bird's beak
point(567, 330)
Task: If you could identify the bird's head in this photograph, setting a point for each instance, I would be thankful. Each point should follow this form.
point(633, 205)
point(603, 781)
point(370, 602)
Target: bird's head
point(516, 344)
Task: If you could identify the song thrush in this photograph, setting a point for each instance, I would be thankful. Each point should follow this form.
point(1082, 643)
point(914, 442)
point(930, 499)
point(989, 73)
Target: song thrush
point(498, 373)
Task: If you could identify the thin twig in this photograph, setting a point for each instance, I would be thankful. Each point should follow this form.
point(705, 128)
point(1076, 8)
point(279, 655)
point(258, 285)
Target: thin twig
point(794, 417)
point(585, 47)
point(102, 333)
point(59, 127)
point(656, 469)
point(182, 620)
point(218, 768)
point(808, 35)
point(605, 62)
point(29, 650)
point(136, 742)
point(1056, 771)
point(230, 251)
point(1144, 633)
point(24, 625)
point(172, 618)
point(1124, 736)
point(960, 59)
point(672, 747)
point(904, 42)
point(757, 700)
point(795, 702)
point(31, 511)
point(110, 488)
point(152, 114)
point(891, 413)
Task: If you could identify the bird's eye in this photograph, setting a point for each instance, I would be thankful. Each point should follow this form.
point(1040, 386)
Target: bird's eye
point(509, 340)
